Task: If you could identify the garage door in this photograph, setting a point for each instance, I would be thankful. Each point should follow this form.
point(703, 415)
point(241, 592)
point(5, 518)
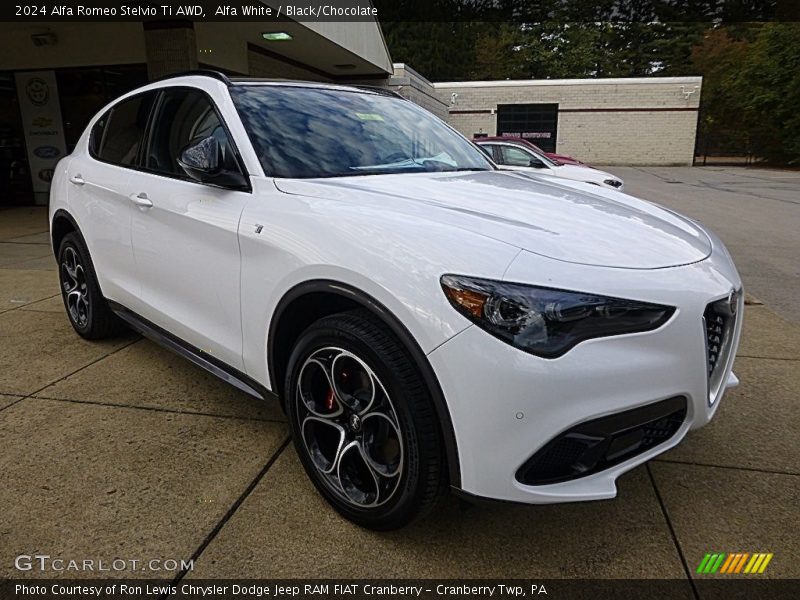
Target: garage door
point(535, 122)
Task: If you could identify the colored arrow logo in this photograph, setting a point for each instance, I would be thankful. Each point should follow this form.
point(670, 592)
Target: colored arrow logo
point(734, 562)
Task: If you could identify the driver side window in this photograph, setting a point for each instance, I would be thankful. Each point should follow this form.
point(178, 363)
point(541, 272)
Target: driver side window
point(184, 116)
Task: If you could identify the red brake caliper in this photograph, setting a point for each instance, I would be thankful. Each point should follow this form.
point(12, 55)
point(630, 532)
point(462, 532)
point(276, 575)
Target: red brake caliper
point(329, 397)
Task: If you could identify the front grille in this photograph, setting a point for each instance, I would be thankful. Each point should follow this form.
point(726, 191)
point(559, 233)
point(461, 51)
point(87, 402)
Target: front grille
point(602, 443)
point(716, 323)
point(719, 319)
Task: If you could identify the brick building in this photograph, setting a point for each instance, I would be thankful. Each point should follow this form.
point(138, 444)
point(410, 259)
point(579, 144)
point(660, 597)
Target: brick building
point(634, 121)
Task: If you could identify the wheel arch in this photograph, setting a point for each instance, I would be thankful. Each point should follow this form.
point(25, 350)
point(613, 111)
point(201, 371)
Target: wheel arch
point(62, 224)
point(311, 300)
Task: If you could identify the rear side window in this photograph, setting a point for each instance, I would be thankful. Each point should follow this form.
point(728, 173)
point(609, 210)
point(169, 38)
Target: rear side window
point(98, 131)
point(117, 136)
point(184, 116)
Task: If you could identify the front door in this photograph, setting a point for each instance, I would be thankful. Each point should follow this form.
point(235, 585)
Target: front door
point(185, 233)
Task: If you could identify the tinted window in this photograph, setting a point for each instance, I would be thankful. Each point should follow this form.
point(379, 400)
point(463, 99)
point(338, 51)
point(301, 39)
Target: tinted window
point(96, 137)
point(515, 157)
point(489, 150)
point(184, 116)
point(313, 132)
point(117, 137)
point(84, 91)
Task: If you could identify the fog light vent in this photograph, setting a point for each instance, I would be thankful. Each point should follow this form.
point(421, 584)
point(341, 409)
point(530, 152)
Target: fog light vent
point(602, 443)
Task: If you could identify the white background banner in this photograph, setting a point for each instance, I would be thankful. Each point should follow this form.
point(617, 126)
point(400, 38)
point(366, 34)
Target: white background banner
point(44, 133)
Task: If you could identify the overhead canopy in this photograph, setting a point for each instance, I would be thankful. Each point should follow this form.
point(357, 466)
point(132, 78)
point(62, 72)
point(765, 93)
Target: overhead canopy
point(325, 49)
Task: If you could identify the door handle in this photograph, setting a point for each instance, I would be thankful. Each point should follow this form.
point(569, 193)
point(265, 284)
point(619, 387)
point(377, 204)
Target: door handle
point(77, 179)
point(141, 200)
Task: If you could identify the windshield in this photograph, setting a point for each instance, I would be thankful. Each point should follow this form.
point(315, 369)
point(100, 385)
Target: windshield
point(302, 132)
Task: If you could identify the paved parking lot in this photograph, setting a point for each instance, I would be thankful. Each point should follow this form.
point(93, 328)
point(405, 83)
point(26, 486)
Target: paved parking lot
point(120, 449)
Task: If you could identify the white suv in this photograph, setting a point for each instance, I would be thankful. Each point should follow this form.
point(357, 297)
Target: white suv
point(427, 320)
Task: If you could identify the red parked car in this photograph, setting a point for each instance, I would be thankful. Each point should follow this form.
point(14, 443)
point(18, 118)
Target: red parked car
point(558, 158)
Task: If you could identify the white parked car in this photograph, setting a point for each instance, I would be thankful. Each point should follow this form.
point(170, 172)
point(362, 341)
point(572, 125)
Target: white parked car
point(516, 156)
point(427, 321)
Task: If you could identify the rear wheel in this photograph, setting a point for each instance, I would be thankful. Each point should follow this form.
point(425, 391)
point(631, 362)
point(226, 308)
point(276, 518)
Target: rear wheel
point(87, 310)
point(363, 422)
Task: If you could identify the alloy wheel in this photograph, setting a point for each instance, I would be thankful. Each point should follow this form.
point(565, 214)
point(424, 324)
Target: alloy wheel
point(349, 427)
point(73, 282)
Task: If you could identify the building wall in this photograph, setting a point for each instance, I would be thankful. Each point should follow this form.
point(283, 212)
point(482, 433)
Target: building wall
point(413, 86)
point(75, 45)
point(170, 50)
point(364, 39)
point(221, 46)
point(643, 121)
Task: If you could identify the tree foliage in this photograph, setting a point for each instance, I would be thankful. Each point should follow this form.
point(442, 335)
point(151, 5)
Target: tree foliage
point(769, 83)
point(751, 89)
point(503, 50)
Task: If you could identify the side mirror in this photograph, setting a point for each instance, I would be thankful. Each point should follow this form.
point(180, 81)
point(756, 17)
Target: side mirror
point(536, 163)
point(203, 161)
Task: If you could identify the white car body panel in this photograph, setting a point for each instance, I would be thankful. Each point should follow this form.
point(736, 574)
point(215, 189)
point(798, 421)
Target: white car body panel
point(364, 251)
point(546, 218)
point(560, 171)
point(101, 201)
point(211, 266)
point(552, 395)
point(190, 238)
point(572, 172)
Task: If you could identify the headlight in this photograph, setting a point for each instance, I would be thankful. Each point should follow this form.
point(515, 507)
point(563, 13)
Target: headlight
point(544, 321)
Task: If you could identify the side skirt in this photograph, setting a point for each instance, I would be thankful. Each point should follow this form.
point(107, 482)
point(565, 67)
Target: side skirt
point(202, 359)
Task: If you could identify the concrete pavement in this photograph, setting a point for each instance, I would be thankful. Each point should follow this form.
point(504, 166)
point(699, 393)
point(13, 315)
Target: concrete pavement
point(121, 449)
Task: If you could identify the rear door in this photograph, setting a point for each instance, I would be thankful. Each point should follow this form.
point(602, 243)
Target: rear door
point(99, 197)
point(185, 234)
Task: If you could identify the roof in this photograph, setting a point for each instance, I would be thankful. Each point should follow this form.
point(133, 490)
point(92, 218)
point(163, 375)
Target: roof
point(598, 81)
point(235, 81)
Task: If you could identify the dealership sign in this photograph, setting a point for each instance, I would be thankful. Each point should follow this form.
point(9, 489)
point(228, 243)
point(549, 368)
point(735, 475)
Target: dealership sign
point(44, 134)
point(47, 152)
point(538, 135)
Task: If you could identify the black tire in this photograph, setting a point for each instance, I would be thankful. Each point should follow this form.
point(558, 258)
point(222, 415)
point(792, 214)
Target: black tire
point(352, 348)
point(87, 309)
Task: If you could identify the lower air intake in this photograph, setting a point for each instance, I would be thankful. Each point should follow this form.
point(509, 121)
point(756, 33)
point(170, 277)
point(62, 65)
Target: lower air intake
point(602, 443)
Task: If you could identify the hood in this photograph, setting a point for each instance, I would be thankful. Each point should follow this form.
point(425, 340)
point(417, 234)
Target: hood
point(545, 218)
point(581, 173)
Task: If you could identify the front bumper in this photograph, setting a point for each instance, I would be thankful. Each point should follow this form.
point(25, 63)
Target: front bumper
point(506, 405)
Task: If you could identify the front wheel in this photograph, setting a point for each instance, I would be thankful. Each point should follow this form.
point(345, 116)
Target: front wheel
point(363, 422)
